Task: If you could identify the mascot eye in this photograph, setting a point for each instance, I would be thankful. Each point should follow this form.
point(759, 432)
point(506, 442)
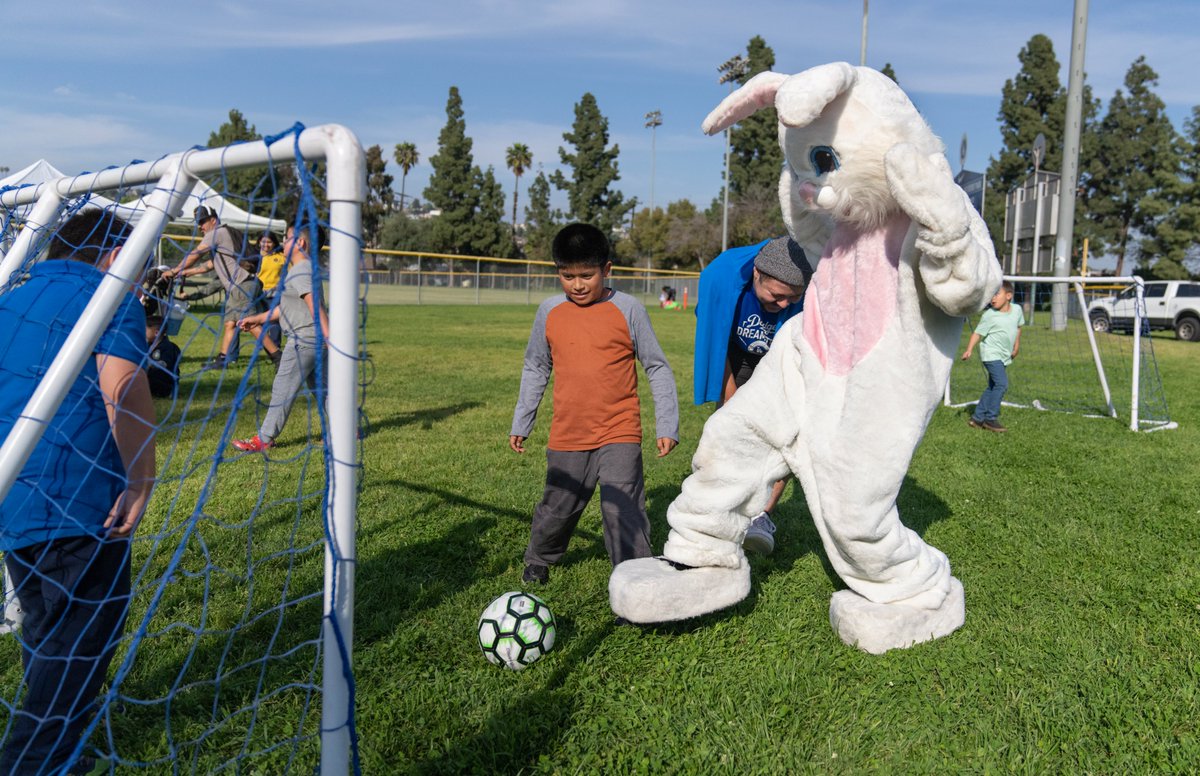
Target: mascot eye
point(823, 159)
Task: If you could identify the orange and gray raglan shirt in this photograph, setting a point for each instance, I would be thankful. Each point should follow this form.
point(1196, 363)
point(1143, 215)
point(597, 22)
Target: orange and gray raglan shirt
point(591, 351)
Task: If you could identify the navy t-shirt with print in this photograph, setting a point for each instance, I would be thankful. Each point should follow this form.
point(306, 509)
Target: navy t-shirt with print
point(753, 327)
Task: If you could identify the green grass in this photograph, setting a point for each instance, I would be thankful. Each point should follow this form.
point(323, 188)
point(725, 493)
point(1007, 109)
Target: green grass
point(1074, 539)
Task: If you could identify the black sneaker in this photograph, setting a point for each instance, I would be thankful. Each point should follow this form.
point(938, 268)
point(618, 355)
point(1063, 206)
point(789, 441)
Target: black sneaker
point(536, 573)
point(994, 425)
point(217, 363)
point(975, 423)
point(275, 357)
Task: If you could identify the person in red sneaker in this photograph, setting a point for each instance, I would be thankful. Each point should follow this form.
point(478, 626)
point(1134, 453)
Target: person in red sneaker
point(298, 314)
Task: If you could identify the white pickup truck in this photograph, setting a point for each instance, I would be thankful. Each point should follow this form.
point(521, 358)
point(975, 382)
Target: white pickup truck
point(1170, 304)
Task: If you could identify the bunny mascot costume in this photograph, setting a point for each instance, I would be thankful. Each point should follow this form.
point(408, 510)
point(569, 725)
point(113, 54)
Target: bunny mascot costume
point(844, 395)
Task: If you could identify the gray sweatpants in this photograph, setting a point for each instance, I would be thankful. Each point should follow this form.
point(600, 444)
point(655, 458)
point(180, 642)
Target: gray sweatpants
point(297, 366)
point(571, 479)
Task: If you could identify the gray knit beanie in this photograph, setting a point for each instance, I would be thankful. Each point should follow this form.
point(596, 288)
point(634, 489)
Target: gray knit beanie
point(784, 260)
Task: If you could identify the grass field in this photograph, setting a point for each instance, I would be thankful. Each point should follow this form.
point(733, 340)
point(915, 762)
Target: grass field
point(1074, 539)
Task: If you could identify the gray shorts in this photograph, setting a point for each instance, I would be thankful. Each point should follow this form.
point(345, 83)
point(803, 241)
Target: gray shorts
point(240, 300)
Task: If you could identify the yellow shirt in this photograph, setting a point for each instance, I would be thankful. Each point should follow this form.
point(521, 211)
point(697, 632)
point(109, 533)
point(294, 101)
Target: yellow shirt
point(270, 268)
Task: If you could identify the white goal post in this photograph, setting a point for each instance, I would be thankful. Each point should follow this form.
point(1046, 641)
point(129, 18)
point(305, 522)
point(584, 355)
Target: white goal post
point(173, 178)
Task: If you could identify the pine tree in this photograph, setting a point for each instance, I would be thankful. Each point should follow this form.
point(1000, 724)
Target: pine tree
point(250, 188)
point(452, 186)
point(380, 197)
point(594, 167)
point(489, 235)
point(541, 221)
point(889, 72)
point(1179, 233)
point(755, 158)
point(1033, 103)
point(1137, 166)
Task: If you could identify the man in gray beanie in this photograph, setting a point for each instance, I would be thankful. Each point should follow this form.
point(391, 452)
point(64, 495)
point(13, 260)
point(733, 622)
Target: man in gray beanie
point(746, 294)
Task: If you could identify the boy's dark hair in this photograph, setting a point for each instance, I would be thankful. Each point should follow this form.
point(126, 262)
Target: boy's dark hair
point(577, 244)
point(154, 321)
point(1007, 286)
point(88, 236)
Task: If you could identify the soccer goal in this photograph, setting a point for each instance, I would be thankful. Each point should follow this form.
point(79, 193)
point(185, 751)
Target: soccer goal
point(1070, 366)
point(236, 653)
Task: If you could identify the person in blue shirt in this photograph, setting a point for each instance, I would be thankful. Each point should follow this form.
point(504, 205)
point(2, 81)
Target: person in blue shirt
point(66, 522)
point(746, 294)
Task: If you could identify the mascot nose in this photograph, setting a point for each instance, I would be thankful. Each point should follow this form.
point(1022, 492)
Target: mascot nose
point(808, 192)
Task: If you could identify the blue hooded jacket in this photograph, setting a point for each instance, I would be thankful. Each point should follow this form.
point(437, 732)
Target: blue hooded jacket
point(721, 285)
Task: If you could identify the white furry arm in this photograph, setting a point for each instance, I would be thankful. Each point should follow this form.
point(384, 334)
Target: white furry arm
point(958, 262)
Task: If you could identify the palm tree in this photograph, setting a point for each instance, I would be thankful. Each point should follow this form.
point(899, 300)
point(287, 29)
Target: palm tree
point(407, 157)
point(518, 157)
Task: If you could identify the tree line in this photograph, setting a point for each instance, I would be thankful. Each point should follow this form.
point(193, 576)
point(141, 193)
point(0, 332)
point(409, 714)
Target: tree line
point(1138, 196)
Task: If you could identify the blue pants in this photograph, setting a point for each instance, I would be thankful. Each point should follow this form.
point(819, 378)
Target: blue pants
point(988, 407)
point(75, 593)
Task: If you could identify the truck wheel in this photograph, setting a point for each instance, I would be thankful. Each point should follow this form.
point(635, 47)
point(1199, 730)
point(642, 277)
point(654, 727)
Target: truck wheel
point(1188, 329)
point(1100, 323)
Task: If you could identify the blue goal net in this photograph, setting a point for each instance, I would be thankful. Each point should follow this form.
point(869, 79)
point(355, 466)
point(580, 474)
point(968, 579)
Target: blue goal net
point(195, 322)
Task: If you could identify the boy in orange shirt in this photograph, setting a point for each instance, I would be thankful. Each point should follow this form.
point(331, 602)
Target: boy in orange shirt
point(590, 338)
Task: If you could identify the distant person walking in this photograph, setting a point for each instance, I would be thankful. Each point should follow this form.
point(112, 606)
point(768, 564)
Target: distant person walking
point(999, 338)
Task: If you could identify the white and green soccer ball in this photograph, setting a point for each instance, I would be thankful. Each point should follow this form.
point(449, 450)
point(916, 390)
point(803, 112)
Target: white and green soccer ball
point(516, 629)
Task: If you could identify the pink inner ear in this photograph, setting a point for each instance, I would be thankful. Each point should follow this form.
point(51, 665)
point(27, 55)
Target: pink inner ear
point(757, 93)
point(852, 297)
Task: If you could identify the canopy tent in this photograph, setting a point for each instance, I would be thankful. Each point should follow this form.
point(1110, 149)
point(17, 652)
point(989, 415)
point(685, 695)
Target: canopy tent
point(201, 194)
point(40, 172)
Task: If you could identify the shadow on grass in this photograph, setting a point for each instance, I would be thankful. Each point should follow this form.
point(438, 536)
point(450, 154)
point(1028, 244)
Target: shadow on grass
point(796, 537)
point(515, 737)
point(425, 417)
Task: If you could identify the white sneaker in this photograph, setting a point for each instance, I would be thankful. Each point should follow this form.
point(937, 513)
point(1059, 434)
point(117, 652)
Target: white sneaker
point(760, 536)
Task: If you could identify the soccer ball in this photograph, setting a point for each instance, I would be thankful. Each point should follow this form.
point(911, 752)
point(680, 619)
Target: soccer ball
point(516, 629)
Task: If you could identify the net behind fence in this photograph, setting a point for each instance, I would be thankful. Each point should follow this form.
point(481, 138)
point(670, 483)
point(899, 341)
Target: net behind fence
point(219, 664)
point(1072, 368)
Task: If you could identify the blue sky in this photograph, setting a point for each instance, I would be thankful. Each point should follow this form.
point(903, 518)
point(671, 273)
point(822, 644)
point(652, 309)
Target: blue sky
point(92, 84)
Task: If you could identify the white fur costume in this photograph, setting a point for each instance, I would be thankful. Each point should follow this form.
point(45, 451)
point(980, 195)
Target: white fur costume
point(845, 393)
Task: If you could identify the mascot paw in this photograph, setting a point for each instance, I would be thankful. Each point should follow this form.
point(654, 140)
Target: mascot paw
point(925, 190)
point(876, 628)
point(658, 590)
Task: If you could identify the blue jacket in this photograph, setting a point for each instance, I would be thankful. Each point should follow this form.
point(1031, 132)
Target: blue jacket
point(721, 285)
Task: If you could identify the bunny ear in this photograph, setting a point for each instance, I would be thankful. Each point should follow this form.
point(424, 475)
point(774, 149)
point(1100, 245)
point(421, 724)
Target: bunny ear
point(755, 94)
point(806, 94)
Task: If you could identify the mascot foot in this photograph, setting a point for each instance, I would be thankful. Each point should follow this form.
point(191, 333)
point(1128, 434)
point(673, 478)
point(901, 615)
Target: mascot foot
point(658, 590)
point(876, 628)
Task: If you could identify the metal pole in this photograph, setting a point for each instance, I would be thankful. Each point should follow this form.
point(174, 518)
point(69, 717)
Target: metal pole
point(1070, 170)
point(862, 56)
point(725, 207)
point(654, 121)
point(731, 70)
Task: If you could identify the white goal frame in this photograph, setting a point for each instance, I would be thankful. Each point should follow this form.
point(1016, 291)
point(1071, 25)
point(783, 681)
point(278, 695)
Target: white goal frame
point(1077, 283)
point(173, 178)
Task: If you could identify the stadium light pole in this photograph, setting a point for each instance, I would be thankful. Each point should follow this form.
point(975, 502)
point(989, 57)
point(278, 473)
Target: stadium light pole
point(862, 53)
point(1070, 168)
point(653, 121)
point(732, 70)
